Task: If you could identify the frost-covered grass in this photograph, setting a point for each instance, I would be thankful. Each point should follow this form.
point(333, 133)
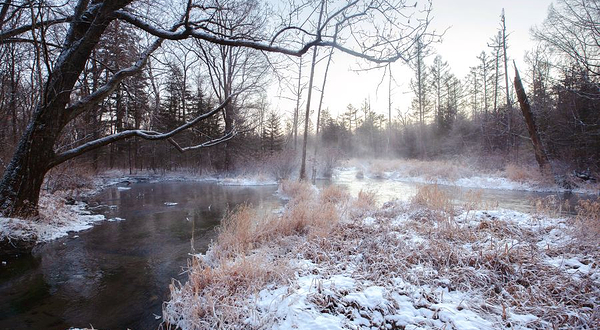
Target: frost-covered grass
point(464, 174)
point(328, 261)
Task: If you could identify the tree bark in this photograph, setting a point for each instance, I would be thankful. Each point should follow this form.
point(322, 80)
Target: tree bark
point(540, 154)
point(23, 178)
point(308, 97)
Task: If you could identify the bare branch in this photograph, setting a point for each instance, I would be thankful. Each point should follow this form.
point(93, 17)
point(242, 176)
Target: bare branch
point(228, 136)
point(144, 134)
point(102, 92)
point(25, 28)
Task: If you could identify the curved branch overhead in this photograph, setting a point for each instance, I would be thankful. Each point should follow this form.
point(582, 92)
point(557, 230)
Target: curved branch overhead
point(74, 84)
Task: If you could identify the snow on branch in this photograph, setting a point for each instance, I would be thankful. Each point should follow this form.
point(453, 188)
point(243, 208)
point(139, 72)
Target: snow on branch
point(102, 92)
point(7, 36)
point(190, 33)
point(379, 31)
point(147, 135)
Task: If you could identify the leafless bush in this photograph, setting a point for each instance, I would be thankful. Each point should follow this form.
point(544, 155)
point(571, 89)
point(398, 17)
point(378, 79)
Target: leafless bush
point(282, 164)
point(330, 159)
point(68, 177)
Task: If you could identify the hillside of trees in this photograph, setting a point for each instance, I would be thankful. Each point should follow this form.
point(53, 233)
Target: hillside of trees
point(134, 84)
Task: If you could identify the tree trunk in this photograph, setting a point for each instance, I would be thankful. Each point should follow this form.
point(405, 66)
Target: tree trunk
point(308, 97)
point(540, 154)
point(34, 156)
point(23, 178)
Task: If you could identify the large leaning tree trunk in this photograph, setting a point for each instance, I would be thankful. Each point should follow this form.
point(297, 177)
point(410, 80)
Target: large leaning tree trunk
point(22, 180)
point(58, 105)
point(540, 154)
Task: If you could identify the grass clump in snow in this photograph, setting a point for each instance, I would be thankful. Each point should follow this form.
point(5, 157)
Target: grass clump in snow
point(493, 257)
point(251, 251)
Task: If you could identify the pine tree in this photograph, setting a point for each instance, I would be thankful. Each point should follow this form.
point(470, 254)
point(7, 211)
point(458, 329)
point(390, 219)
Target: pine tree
point(272, 139)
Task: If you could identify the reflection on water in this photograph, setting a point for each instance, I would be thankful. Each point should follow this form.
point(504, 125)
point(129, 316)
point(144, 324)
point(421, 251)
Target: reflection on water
point(116, 275)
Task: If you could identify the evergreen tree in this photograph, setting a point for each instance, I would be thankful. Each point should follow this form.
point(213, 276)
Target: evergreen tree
point(272, 139)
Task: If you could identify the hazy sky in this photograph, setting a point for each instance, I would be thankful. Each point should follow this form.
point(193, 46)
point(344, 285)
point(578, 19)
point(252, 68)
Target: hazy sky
point(470, 23)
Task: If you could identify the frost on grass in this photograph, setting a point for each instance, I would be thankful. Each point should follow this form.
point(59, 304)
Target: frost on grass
point(331, 262)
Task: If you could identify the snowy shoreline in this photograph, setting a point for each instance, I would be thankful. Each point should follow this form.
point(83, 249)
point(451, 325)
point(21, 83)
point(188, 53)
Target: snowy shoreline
point(475, 181)
point(410, 265)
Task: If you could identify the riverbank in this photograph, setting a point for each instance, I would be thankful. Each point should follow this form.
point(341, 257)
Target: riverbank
point(466, 175)
point(329, 261)
point(66, 209)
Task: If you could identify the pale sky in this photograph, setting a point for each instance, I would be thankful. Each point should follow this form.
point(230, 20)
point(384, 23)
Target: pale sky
point(471, 24)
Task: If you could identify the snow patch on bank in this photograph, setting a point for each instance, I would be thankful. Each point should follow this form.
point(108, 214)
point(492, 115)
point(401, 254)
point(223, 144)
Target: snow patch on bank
point(348, 174)
point(72, 218)
point(248, 181)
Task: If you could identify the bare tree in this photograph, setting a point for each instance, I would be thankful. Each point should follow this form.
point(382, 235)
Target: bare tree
point(234, 70)
point(420, 87)
point(386, 41)
point(572, 31)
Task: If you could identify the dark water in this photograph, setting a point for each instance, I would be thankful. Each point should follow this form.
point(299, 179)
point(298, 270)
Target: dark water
point(116, 275)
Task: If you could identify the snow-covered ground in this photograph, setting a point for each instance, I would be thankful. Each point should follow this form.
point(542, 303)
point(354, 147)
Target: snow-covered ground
point(406, 265)
point(56, 221)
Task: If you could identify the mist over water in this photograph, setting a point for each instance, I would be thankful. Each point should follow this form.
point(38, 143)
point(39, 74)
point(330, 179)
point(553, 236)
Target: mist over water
point(117, 274)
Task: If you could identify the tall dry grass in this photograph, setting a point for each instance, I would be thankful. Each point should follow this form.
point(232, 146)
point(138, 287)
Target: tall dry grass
point(551, 206)
point(248, 254)
point(527, 174)
point(433, 198)
point(587, 220)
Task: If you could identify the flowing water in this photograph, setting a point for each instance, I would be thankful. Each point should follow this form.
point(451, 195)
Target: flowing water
point(116, 275)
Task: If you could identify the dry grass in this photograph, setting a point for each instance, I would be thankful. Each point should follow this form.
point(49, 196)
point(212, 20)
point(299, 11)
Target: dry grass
point(365, 202)
point(433, 198)
point(551, 206)
point(211, 299)
point(527, 174)
point(496, 260)
point(587, 220)
point(497, 263)
point(248, 254)
point(334, 194)
point(296, 190)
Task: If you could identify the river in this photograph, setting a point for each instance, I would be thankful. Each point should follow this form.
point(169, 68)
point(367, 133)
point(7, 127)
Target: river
point(116, 275)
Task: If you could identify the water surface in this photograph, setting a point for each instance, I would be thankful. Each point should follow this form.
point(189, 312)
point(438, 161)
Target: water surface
point(116, 275)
